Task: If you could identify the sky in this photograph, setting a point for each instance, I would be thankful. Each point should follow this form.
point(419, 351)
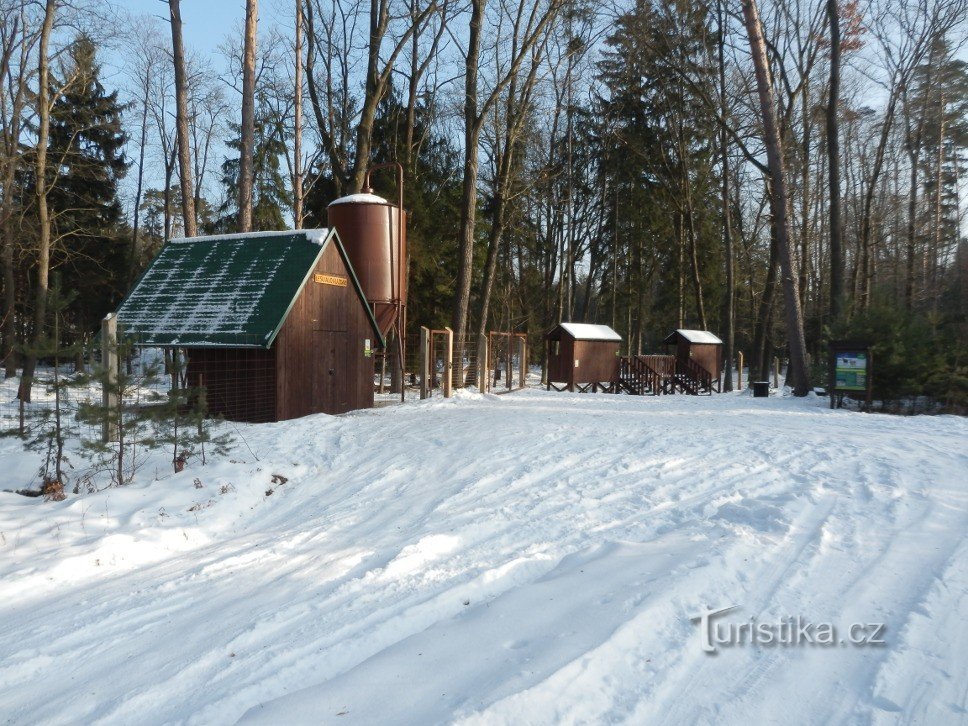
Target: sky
point(206, 25)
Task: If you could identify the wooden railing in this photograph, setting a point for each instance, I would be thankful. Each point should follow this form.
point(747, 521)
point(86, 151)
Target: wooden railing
point(645, 374)
point(693, 377)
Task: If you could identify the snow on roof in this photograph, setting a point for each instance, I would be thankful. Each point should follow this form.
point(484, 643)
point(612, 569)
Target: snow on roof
point(360, 199)
point(221, 290)
point(695, 336)
point(587, 331)
point(316, 236)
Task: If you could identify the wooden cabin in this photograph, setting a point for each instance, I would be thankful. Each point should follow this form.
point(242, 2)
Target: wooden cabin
point(273, 325)
point(699, 347)
point(582, 356)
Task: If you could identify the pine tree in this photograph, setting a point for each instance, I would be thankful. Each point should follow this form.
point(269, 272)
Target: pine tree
point(270, 194)
point(87, 148)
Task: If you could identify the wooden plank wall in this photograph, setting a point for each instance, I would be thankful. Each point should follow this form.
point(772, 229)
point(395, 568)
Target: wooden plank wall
point(560, 366)
point(598, 361)
point(325, 331)
point(708, 355)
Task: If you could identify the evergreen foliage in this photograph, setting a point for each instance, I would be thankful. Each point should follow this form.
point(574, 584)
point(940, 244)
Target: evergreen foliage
point(87, 142)
point(270, 192)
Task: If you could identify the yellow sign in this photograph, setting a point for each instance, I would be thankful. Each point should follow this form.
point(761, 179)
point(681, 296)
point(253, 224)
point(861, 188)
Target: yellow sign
point(330, 280)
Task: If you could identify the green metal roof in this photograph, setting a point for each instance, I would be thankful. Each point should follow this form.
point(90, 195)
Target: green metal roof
point(226, 290)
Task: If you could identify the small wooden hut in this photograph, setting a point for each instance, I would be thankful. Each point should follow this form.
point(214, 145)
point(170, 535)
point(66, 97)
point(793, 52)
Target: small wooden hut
point(697, 348)
point(582, 356)
point(273, 325)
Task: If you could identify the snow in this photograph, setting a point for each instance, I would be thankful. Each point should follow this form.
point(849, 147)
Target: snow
point(698, 336)
point(359, 199)
point(316, 236)
point(587, 331)
point(526, 558)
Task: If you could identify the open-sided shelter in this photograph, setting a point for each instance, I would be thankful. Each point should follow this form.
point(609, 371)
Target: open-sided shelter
point(581, 355)
point(700, 347)
point(274, 325)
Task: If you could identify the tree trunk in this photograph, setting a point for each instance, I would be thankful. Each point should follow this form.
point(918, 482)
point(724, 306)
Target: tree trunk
point(797, 375)
point(729, 302)
point(931, 275)
point(297, 181)
point(13, 125)
point(43, 216)
point(181, 120)
point(134, 253)
point(9, 278)
point(860, 268)
point(833, 170)
point(247, 145)
point(468, 210)
point(761, 334)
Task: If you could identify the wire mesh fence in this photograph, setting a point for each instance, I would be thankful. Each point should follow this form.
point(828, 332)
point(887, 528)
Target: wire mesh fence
point(242, 384)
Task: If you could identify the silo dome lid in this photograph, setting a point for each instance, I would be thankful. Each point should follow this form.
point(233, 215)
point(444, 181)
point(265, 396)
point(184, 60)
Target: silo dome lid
point(360, 199)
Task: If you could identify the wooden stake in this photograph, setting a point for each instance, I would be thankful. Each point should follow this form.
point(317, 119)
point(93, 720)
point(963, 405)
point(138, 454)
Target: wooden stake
point(522, 361)
point(448, 363)
point(776, 371)
point(109, 359)
point(739, 371)
point(482, 363)
point(424, 362)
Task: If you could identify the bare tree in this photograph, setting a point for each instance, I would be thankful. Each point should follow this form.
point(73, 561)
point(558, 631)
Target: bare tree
point(297, 173)
point(16, 41)
point(147, 58)
point(44, 105)
point(378, 78)
point(533, 20)
point(247, 145)
point(833, 166)
point(797, 375)
point(181, 112)
point(510, 118)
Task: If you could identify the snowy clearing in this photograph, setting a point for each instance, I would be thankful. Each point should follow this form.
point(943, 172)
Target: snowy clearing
point(528, 558)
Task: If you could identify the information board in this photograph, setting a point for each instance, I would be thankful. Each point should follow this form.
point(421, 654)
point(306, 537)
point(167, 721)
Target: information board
point(850, 369)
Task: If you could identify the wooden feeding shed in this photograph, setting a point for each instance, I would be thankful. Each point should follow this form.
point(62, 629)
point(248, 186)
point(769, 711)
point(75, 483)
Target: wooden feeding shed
point(699, 358)
point(273, 325)
point(582, 356)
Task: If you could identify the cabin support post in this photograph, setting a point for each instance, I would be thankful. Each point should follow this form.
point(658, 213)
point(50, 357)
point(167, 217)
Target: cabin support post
point(424, 362)
point(522, 361)
point(448, 363)
point(109, 359)
point(739, 370)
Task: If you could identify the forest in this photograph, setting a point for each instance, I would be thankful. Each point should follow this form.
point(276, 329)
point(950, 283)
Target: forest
point(781, 173)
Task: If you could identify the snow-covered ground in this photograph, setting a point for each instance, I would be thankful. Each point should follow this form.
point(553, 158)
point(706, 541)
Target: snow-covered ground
point(528, 558)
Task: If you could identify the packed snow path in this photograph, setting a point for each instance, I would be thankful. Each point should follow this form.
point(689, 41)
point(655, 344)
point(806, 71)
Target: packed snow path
point(530, 558)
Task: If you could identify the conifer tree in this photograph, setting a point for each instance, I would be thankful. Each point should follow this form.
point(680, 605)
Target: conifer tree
point(270, 193)
point(87, 150)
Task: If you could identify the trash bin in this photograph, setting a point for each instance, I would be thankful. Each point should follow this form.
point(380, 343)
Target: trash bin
point(761, 389)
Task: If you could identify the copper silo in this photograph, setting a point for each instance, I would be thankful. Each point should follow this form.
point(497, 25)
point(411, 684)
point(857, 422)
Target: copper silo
point(373, 231)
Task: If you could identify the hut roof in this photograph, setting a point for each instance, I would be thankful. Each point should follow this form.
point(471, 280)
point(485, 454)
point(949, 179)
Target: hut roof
point(232, 290)
point(587, 331)
point(693, 336)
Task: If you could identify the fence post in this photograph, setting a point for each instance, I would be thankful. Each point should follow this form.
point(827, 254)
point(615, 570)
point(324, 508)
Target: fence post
point(482, 363)
point(510, 361)
point(776, 371)
point(739, 370)
point(109, 359)
point(523, 361)
point(424, 362)
point(448, 363)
